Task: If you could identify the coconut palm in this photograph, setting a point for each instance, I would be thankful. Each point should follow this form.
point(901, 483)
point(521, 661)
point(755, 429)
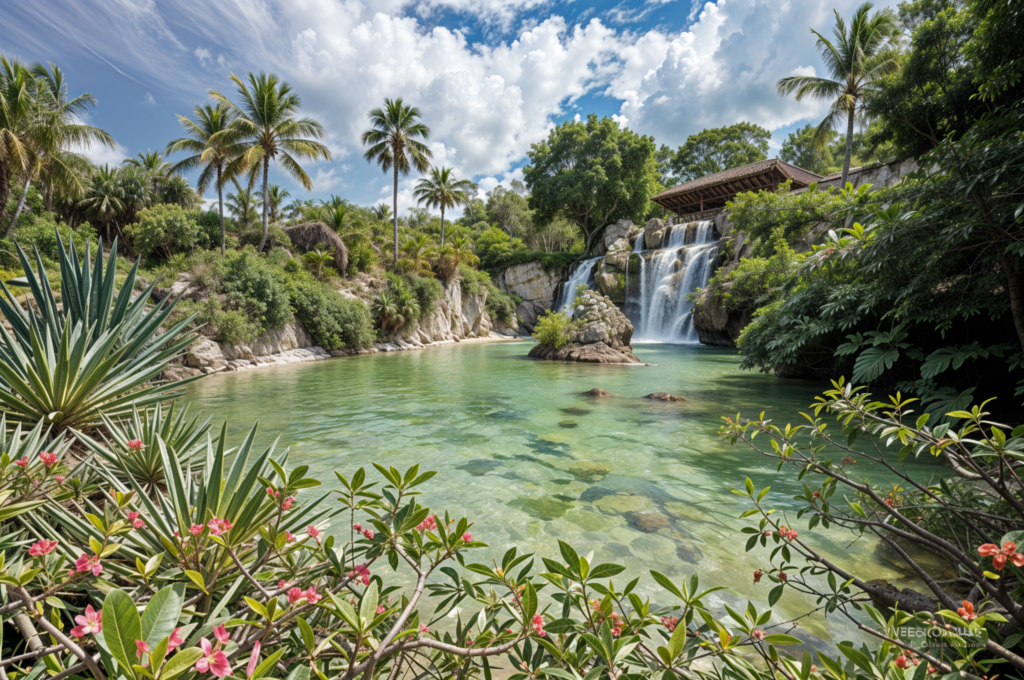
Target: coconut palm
point(17, 110)
point(52, 132)
point(176, 191)
point(394, 146)
point(154, 165)
point(104, 199)
point(277, 196)
point(382, 212)
point(211, 156)
point(418, 251)
point(242, 205)
point(265, 128)
point(857, 59)
point(318, 258)
point(441, 190)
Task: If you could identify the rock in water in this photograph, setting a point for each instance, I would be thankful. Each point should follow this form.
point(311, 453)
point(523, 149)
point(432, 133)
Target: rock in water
point(596, 392)
point(599, 334)
point(664, 396)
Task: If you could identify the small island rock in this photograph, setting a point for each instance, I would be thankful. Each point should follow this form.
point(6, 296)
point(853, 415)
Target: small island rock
point(664, 396)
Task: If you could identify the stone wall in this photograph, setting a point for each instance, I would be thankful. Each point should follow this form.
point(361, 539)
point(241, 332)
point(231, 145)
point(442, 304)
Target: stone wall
point(536, 287)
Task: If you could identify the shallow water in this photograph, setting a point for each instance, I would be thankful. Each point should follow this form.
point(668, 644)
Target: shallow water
point(528, 459)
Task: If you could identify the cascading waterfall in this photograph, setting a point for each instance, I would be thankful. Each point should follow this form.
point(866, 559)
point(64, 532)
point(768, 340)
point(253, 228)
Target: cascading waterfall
point(657, 295)
point(583, 273)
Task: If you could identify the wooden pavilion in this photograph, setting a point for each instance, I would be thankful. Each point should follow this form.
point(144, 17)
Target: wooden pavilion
point(704, 197)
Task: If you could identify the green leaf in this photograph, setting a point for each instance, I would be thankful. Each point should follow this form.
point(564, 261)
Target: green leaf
point(782, 639)
point(306, 631)
point(196, 578)
point(606, 570)
point(121, 628)
point(529, 602)
point(184, 660)
point(368, 605)
point(162, 613)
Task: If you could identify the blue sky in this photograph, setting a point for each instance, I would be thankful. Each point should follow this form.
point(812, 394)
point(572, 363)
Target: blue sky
point(491, 76)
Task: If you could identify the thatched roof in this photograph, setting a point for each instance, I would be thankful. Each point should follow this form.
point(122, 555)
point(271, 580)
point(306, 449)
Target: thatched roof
point(714, 190)
point(312, 235)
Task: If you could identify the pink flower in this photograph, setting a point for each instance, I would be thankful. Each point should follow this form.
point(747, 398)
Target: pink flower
point(358, 527)
point(89, 563)
point(222, 634)
point(135, 445)
point(381, 609)
point(1000, 555)
point(424, 629)
point(213, 661)
point(368, 534)
point(90, 624)
point(132, 516)
point(141, 648)
point(139, 524)
point(670, 622)
point(219, 526)
point(254, 659)
point(42, 547)
point(175, 640)
point(759, 635)
point(467, 537)
point(428, 524)
point(538, 625)
point(616, 631)
point(313, 533)
point(60, 479)
point(287, 503)
point(362, 573)
point(289, 536)
point(312, 596)
point(196, 529)
point(967, 611)
point(23, 463)
point(295, 595)
point(271, 492)
point(49, 459)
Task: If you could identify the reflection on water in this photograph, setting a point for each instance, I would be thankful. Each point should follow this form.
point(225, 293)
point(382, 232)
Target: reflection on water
point(523, 454)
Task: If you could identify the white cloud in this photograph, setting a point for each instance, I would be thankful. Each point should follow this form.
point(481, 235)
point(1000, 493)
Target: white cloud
point(326, 180)
point(104, 155)
point(149, 99)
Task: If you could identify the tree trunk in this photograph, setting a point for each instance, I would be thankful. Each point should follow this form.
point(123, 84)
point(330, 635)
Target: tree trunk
point(442, 225)
point(266, 205)
point(849, 149)
point(21, 206)
point(395, 261)
point(5, 188)
point(220, 209)
point(1012, 265)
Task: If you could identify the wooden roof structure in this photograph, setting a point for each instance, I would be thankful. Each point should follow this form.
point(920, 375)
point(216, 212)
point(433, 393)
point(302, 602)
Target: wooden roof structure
point(712, 191)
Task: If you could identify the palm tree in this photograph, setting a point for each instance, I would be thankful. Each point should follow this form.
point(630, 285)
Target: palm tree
point(442, 190)
point(382, 212)
point(104, 199)
point(242, 205)
point(17, 109)
point(277, 196)
point(265, 128)
point(318, 258)
point(418, 251)
point(212, 157)
point(859, 57)
point(394, 145)
point(154, 165)
point(50, 135)
point(176, 191)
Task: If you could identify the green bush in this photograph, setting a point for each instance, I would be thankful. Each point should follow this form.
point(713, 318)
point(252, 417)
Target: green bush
point(361, 257)
point(275, 236)
point(42, 231)
point(553, 329)
point(426, 290)
point(257, 288)
point(333, 321)
point(164, 231)
point(500, 304)
point(209, 227)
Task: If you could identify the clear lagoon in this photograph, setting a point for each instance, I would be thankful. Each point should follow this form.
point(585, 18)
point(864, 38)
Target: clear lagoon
point(523, 455)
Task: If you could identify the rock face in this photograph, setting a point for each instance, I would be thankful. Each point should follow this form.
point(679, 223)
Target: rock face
point(612, 233)
point(600, 335)
point(535, 285)
point(610, 274)
point(654, 233)
point(455, 317)
point(287, 345)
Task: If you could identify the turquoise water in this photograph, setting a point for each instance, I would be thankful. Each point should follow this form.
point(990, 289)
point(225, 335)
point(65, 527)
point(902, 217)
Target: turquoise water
point(523, 455)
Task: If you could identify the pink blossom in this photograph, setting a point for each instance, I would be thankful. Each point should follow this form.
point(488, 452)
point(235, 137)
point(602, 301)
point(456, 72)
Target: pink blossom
point(368, 534)
point(222, 634)
point(49, 459)
point(538, 625)
point(271, 492)
point(23, 463)
point(361, 572)
point(759, 635)
point(311, 595)
point(89, 563)
point(135, 445)
point(141, 647)
point(42, 547)
point(214, 661)
point(219, 526)
point(358, 527)
point(295, 595)
point(289, 536)
point(287, 503)
point(313, 533)
point(429, 524)
point(60, 479)
point(175, 640)
point(132, 516)
point(381, 609)
point(670, 622)
point(89, 624)
point(616, 631)
point(254, 659)
point(467, 537)
point(139, 524)
point(424, 629)
point(196, 529)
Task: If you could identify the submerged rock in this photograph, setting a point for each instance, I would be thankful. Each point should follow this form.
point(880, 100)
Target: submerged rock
point(576, 411)
point(568, 423)
point(599, 334)
point(664, 396)
point(689, 554)
point(648, 522)
point(596, 392)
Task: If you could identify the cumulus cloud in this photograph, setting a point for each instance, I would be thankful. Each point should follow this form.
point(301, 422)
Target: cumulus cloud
point(104, 155)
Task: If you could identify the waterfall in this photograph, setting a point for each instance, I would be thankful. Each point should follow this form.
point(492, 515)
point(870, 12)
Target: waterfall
point(656, 294)
point(582, 273)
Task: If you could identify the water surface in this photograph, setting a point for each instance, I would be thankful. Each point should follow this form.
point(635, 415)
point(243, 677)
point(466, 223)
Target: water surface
point(523, 455)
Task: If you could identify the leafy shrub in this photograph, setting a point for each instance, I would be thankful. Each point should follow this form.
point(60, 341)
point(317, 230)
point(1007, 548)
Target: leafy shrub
point(395, 307)
point(275, 237)
point(209, 227)
point(333, 321)
point(257, 289)
point(164, 231)
point(553, 329)
point(361, 257)
point(500, 304)
point(426, 290)
point(42, 232)
point(233, 327)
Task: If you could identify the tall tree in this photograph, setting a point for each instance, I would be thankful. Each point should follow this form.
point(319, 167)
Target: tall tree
point(717, 149)
point(206, 153)
point(442, 190)
point(510, 208)
point(17, 109)
point(395, 145)
point(265, 128)
point(859, 57)
point(592, 173)
point(104, 199)
point(276, 198)
point(154, 165)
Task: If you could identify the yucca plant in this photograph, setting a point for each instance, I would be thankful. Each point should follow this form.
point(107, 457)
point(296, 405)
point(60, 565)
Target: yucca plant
point(97, 349)
point(33, 467)
point(131, 443)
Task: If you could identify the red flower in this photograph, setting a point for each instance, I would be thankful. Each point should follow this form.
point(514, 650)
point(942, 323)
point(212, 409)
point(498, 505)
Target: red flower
point(313, 533)
point(428, 524)
point(135, 445)
point(424, 629)
point(289, 537)
point(132, 516)
point(219, 526)
point(538, 625)
point(175, 640)
point(1000, 555)
point(757, 576)
point(362, 572)
point(42, 547)
point(368, 534)
point(288, 503)
point(967, 611)
point(139, 524)
point(670, 622)
point(87, 563)
point(141, 647)
point(467, 537)
point(60, 479)
point(49, 459)
point(23, 463)
point(312, 596)
point(782, 576)
point(196, 529)
point(817, 494)
point(787, 534)
point(213, 661)
point(358, 527)
point(295, 594)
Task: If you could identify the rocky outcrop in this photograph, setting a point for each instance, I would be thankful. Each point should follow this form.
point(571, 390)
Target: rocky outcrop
point(612, 233)
point(610, 274)
point(654, 234)
point(664, 396)
point(276, 347)
point(600, 334)
point(536, 287)
point(715, 324)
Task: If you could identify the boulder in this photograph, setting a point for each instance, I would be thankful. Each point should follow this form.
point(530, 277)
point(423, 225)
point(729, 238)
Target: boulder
point(596, 392)
point(716, 325)
point(205, 354)
point(600, 334)
point(531, 282)
point(614, 232)
point(528, 312)
point(176, 373)
point(654, 233)
point(664, 396)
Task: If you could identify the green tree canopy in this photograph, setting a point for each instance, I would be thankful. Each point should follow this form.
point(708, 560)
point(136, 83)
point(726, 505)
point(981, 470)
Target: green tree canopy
point(592, 173)
point(717, 149)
